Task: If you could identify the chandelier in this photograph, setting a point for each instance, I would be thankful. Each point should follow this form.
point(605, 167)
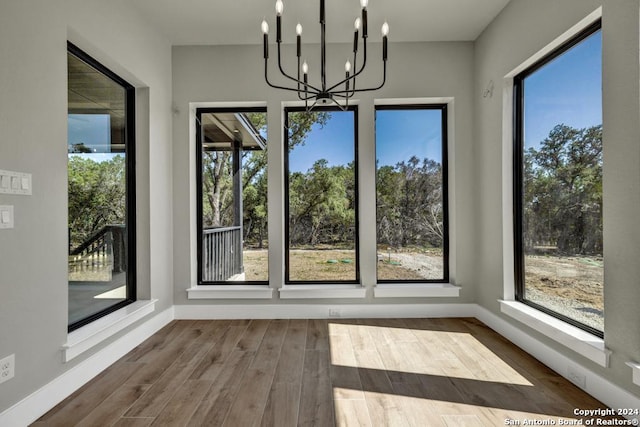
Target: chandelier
point(313, 94)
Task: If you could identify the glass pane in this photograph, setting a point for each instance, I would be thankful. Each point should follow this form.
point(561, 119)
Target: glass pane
point(322, 197)
point(234, 197)
point(409, 194)
point(97, 191)
point(562, 206)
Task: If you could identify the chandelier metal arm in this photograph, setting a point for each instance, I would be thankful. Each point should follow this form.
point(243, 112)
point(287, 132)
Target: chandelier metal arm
point(288, 76)
point(290, 89)
point(353, 77)
point(384, 79)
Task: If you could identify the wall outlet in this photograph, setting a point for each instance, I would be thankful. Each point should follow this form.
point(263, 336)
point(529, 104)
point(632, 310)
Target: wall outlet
point(334, 312)
point(7, 368)
point(576, 377)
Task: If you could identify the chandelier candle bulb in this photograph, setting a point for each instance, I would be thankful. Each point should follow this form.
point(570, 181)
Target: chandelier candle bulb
point(299, 39)
point(305, 70)
point(385, 31)
point(265, 38)
point(364, 22)
point(279, 10)
point(278, 29)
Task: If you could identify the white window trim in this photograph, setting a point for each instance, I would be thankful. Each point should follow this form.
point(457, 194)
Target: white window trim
point(635, 367)
point(576, 339)
point(422, 289)
point(230, 292)
point(193, 227)
point(415, 290)
point(92, 334)
point(321, 291)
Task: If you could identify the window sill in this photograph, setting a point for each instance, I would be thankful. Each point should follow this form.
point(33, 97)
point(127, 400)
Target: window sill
point(321, 291)
point(230, 292)
point(635, 367)
point(415, 290)
point(94, 333)
point(582, 342)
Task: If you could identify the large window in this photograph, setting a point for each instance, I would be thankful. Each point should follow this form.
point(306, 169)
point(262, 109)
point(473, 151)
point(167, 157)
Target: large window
point(101, 189)
point(321, 200)
point(558, 183)
point(232, 195)
point(411, 193)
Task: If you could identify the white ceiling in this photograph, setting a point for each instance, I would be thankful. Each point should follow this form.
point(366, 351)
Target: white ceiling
point(225, 22)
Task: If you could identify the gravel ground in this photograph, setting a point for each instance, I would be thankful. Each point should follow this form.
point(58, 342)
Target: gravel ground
point(569, 307)
point(426, 266)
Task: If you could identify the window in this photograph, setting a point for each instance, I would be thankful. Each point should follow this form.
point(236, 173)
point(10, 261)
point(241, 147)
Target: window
point(101, 190)
point(321, 200)
point(558, 183)
point(231, 159)
point(411, 193)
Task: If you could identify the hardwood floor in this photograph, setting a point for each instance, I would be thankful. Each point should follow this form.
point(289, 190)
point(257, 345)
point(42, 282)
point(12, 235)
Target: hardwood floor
point(376, 372)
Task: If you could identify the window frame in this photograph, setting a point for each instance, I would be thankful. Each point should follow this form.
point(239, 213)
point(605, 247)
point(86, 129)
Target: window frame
point(443, 107)
point(287, 280)
point(518, 174)
point(130, 176)
point(199, 206)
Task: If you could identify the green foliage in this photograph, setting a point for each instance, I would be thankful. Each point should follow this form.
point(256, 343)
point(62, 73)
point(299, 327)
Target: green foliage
point(563, 191)
point(97, 196)
point(409, 208)
point(321, 209)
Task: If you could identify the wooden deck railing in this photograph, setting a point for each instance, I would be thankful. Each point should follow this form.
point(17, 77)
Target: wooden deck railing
point(222, 253)
point(104, 248)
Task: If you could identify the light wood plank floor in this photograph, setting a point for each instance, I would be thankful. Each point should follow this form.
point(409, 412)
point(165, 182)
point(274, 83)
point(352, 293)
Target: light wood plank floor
point(377, 372)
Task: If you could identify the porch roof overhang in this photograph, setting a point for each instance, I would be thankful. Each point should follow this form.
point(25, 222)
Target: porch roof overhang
point(221, 130)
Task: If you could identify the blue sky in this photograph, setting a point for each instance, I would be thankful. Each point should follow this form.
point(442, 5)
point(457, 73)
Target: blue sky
point(332, 142)
point(92, 130)
point(567, 90)
point(400, 134)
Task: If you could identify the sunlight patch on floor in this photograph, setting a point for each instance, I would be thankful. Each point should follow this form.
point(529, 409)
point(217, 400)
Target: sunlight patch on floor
point(400, 351)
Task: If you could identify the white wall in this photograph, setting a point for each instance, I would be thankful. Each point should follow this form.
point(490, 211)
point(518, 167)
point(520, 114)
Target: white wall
point(33, 35)
point(521, 30)
point(33, 138)
point(236, 74)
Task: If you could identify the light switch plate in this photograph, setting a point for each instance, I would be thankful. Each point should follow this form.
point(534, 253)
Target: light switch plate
point(6, 217)
point(18, 183)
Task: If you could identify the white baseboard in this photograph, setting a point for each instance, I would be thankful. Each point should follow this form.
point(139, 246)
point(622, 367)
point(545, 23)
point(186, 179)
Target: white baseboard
point(321, 311)
point(38, 403)
point(595, 385)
